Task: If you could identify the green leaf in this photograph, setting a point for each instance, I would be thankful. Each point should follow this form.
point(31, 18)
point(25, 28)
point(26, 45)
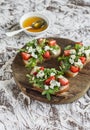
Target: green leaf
point(48, 96)
point(67, 47)
point(44, 92)
point(51, 91)
point(77, 46)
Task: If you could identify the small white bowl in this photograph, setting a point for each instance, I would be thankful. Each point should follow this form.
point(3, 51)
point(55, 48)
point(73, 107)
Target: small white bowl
point(37, 14)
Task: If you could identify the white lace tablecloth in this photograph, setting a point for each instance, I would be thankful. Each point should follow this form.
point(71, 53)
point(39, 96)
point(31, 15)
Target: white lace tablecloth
point(71, 19)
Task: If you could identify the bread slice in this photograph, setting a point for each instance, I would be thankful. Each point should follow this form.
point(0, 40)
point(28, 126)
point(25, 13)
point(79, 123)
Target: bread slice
point(52, 55)
point(37, 88)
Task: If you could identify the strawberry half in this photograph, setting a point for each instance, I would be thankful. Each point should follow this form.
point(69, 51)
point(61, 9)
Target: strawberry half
point(46, 55)
point(74, 69)
point(47, 81)
point(25, 55)
point(63, 81)
point(83, 59)
point(66, 52)
point(52, 43)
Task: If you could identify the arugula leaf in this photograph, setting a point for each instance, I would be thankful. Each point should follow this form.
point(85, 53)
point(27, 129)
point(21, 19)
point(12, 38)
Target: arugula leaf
point(67, 47)
point(31, 43)
point(31, 63)
point(48, 96)
point(46, 92)
point(77, 46)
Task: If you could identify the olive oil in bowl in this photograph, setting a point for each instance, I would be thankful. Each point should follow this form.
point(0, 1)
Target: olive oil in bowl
point(28, 22)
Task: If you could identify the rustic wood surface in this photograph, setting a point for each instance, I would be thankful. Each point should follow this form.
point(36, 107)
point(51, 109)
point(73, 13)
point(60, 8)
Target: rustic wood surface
point(71, 20)
point(78, 85)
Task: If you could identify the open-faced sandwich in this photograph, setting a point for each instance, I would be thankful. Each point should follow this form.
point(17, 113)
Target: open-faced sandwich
point(74, 58)
point(48, 81)
point(39, 50)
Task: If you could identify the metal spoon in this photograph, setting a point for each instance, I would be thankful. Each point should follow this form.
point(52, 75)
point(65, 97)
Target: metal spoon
point(36, 25)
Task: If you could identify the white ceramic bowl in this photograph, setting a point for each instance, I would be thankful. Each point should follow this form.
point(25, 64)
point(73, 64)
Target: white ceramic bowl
point(31, 14)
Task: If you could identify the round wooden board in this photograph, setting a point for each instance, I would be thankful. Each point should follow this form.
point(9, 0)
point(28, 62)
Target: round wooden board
point(78, 85)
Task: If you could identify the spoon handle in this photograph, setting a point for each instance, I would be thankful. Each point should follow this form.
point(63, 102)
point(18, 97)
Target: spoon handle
point(16, 32)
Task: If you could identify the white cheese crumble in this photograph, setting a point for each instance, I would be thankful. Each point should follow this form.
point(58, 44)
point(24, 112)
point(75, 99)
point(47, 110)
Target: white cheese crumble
point(87, 53)
point(52, 74)
point(46, 48)
point(40, 74)
point(46, 87)
point(81, 50)
point(54, 83)
point(60, 76)
point(73, 56)
point(72, 51)
point(38, 49)
point(34, 55)
point(78, 63)
point(54, 52)
point(31, 50)
point(71, 61)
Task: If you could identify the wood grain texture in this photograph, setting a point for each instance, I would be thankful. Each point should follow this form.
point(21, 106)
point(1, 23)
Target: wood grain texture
point(78, 85)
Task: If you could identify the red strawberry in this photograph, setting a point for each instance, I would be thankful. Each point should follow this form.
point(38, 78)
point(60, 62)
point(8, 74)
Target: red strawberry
point(42, 68)
point(66, 52)
point(52, 43)
point(80, 43)
point(25, 55)
point(35, 73)
point(63, 81)
point(83, 59)
point(46, 55)
point(47, 81)
point(74, 69)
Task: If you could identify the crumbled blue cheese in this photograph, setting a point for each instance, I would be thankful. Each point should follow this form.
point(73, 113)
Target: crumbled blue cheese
point(54, 83)
point(40, 74)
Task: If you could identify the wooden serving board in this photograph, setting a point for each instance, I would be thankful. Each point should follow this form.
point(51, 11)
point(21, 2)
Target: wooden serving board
point(78, 85)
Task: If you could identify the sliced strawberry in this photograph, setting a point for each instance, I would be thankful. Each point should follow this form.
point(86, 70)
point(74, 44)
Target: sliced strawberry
point(63, 81)
point(52, 43)
point(83, 59)
point(47, 81)
point(80, 43)
point(46, 55)
point(74, 69)
point(35, 73)
point(25, 55)
point(66, 52)
point(42, 68)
